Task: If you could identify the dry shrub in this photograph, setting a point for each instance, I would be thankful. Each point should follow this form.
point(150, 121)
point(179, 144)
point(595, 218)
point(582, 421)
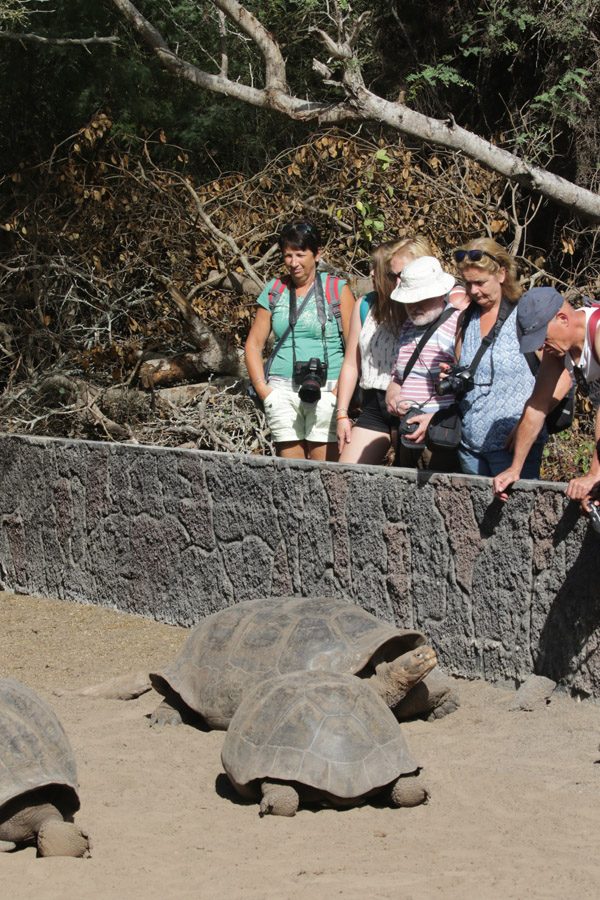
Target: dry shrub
point(91, 240)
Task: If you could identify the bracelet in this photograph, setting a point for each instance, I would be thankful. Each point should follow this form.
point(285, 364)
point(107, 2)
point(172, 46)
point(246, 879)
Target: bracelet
point(339, 418)
point(258, 381)
point(342, 409)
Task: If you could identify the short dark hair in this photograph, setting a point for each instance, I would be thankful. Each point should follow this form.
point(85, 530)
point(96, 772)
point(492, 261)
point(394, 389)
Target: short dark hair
point(300, 234)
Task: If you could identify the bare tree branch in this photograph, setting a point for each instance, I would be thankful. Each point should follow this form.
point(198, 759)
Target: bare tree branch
point(39, 39)
point(359, 104)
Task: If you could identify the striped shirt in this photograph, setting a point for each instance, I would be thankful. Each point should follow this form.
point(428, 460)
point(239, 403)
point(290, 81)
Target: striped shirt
point(419, 386)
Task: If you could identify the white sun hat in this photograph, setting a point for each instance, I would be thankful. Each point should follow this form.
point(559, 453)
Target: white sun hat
point(422, 279)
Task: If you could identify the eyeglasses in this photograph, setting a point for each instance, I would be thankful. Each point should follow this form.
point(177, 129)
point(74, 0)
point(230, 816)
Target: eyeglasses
point(473, 255)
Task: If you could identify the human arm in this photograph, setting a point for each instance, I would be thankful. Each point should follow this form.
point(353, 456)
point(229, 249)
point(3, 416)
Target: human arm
point(348, 378)
point(563, 386)
point(393, 396)
point(536, 409)
point(254, 348)
point(347, 305)
point(581, 488)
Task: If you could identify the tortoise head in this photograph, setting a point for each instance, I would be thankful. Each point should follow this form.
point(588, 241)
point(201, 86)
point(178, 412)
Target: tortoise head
point(395, 679)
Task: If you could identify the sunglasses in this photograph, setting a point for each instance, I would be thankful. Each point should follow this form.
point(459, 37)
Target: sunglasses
point(473, 256)
point(300, 227)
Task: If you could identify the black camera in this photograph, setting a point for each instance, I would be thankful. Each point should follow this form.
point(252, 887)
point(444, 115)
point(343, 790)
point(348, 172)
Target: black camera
point(405, 427)
point(309, 377)
point(458, 381)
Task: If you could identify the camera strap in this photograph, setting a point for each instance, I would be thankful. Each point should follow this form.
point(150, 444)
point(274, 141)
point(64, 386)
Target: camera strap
point(295, 313)
point(322, 314)
point(431, 329)
point(503, 313)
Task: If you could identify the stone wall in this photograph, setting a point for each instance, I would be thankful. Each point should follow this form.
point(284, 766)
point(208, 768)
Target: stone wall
point(501, 590)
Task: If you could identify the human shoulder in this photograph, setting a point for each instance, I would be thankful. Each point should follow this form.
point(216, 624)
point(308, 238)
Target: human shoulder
point(272, 292)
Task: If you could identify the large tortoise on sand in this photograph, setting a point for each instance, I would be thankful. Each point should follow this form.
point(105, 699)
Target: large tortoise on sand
point(38, 776)
point(230, 651)
point(318, 737)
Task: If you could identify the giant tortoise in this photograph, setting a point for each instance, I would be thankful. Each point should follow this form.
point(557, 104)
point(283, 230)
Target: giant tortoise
point(38, 776)
point(231, 650)
point(319, 737)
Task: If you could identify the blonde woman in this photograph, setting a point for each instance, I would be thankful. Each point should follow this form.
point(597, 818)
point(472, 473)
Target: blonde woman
point(503, 380)
point(370, 355)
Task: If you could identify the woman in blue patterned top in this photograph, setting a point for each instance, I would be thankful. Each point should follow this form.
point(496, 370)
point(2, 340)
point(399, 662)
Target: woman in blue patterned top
point(503, 379)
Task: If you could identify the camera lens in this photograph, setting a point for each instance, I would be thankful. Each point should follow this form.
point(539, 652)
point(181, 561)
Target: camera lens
point(310, 391)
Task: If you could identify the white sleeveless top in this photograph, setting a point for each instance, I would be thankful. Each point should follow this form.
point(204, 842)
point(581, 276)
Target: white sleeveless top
point(587, 363)
point(377, 354)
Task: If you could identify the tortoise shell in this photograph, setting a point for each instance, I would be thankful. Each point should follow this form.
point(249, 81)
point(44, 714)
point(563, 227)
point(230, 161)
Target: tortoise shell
point(231, 650)
point(34, 749)
point(328, 731)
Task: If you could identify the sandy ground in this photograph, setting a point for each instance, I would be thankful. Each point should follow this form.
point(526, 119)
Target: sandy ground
point(514, 813)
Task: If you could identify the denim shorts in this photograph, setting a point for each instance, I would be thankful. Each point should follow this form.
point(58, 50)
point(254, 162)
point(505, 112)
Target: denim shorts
point(289, 419)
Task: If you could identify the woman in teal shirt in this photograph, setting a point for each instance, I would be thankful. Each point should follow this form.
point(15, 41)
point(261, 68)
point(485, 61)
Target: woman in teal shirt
point(299, 393)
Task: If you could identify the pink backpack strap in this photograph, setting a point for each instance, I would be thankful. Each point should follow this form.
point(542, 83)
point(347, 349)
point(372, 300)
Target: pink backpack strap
point(279, 286)
point(332, 290)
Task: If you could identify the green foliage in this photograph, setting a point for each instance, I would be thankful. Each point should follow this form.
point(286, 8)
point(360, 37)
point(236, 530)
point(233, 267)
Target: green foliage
point(13, 14)
point(432, 75)
point(558, 99)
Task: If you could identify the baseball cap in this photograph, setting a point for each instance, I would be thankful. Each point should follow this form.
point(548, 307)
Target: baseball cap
point(535, 310)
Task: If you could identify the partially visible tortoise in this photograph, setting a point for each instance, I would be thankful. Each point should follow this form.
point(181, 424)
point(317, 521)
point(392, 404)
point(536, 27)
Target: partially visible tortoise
point(38, 776)
point(231, 650)
point(318, 737)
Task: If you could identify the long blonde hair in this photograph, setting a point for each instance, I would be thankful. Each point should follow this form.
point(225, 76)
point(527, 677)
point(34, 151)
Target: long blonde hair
point(387, 312)
point(511, 288)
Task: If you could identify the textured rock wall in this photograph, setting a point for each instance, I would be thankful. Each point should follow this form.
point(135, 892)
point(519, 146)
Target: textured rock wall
point(500, 590)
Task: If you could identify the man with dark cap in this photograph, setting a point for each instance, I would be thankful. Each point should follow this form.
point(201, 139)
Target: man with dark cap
point(570, 340)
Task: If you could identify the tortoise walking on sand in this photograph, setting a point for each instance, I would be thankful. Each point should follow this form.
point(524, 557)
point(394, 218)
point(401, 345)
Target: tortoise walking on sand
point(230, 651)
point(38, 776)
point(319, 737)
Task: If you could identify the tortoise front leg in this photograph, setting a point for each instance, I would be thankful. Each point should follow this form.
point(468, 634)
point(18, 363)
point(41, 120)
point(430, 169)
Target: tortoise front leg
point(278, 799)
point(166, 713)
point(26, 822)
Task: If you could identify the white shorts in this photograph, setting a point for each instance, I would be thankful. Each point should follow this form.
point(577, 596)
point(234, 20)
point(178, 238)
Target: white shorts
point(289, 419)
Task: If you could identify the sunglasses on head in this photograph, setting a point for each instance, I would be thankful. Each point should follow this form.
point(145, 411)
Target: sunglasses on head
point(473, 256)
point(300, 227)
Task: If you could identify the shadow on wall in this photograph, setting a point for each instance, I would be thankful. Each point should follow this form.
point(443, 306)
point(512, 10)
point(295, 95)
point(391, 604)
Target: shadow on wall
point(570, 635)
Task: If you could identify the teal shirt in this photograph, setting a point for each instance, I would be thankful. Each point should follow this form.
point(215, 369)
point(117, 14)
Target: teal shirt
point(307, 333)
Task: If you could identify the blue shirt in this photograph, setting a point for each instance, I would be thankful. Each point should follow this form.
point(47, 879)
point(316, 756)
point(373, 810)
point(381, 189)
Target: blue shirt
point(503, 383)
